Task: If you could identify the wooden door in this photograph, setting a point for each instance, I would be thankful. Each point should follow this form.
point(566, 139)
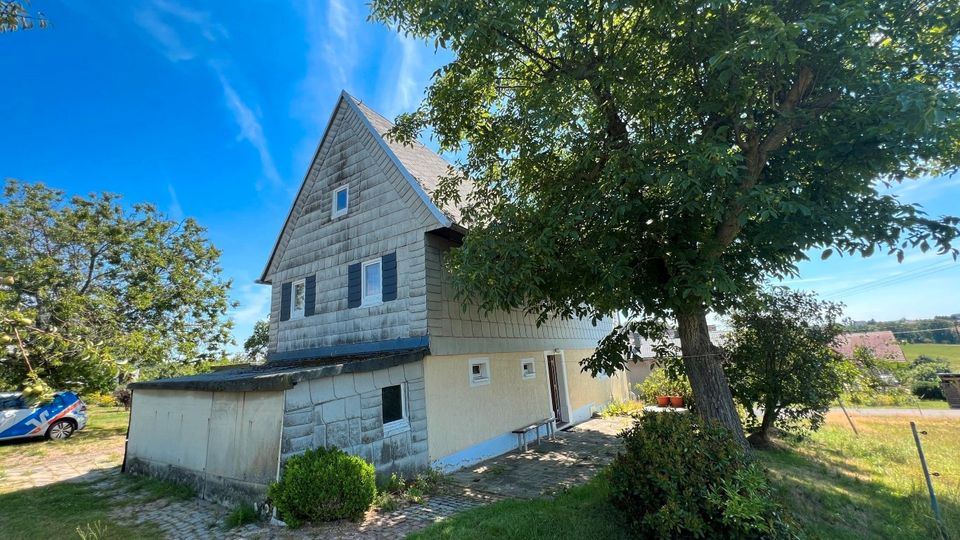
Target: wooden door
point(554, 387)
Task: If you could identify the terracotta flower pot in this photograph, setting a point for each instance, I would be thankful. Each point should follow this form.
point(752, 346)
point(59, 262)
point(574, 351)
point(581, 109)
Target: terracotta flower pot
point(663, 401)
point(676, 401)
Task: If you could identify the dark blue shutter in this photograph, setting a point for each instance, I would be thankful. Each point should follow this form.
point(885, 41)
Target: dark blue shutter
point(310, 296)
point(285, 302)
point(353, 286)
point(389, 262)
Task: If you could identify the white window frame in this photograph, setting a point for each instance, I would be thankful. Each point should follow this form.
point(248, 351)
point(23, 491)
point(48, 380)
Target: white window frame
point(372, 300)
point(533, 368)
point(334, 213)
point(294, 312)
point(403, 424)
point(485, 362)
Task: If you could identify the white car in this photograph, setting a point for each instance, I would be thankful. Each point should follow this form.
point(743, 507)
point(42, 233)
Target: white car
point(59, 418)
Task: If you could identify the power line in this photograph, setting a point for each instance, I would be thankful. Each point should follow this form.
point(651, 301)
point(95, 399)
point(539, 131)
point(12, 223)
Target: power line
point(937, 267)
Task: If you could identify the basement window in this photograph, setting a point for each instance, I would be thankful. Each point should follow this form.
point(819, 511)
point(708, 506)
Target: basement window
point(479, 371)
point(527, 368)
point(393, 401)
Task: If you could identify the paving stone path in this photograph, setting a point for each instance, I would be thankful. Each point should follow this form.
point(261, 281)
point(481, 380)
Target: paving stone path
point(573, 458)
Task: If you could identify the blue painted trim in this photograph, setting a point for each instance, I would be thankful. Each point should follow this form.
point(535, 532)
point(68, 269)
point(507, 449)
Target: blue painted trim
point(389, 345)
point(441, 217)
point(501, 444)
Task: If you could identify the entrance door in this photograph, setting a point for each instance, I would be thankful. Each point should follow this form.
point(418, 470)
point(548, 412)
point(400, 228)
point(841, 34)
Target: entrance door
point(554, 387)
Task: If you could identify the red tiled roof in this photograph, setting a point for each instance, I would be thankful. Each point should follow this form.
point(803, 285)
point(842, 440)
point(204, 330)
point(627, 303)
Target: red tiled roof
point(882, 344)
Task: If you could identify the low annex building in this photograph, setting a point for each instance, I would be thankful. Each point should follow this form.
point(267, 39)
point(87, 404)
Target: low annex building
point(369, 350)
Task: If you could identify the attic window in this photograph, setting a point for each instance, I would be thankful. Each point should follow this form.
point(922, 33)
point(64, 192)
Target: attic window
point(341, 202)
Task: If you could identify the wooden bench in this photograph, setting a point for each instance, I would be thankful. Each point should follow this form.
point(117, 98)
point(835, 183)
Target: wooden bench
point(521, 432)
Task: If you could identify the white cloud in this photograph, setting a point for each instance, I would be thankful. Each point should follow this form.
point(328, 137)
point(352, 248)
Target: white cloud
point(407, 88)
point(159, 17)
point(250, 128)
point(176, 211)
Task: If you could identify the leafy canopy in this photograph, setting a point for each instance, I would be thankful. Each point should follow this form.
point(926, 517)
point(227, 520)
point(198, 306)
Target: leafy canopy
point(104, 287)
point(662, 157)
point(781, 360)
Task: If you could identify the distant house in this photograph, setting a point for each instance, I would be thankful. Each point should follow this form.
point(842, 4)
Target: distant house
point(882, 344)
point(641, 355)
point(369, 349)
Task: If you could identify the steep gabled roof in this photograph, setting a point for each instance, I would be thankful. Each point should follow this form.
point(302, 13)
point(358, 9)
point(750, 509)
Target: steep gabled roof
point(883, 344)
point(421, 167)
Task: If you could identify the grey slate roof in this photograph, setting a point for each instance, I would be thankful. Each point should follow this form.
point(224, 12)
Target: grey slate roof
point(276, 376)
point(422, 163)
point(418, 163)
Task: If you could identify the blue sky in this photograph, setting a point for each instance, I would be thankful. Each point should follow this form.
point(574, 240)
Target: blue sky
point(214, 112)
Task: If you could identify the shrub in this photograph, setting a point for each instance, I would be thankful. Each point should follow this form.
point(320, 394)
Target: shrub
point(241, 515)
point(323, 485)
point(660, 383)
point(681, 477)
point(123, 397)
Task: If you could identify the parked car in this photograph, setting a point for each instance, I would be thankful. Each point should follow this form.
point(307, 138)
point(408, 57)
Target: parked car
point(59, 418)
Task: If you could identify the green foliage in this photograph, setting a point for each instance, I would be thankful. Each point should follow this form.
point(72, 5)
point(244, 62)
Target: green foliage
point(661, 382)
point(255, 346)
point(105, 288)
point(397, 491)
point(323, 485)
point(922, 377)
point(241, 515)
point(940, 329)
point(781, 360)
point(679, 476)
point(14, 15)
point(664, 158)
point(622, 408)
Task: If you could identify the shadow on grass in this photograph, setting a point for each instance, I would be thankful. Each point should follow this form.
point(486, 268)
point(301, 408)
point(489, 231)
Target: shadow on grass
point(829, 503)
point(58, 510)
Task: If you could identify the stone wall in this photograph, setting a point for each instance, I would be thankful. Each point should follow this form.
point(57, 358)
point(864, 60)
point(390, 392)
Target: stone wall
point(344, 411)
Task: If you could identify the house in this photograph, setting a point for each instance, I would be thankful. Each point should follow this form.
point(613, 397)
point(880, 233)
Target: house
point(369, 349)
point(643, 357)
point(881, 344)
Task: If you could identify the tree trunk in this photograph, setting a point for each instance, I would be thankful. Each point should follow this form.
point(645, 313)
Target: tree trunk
point(761, 438)
point(702, 364)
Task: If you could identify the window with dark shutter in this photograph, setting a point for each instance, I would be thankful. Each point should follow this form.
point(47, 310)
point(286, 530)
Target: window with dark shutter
point(310, 297)
point(354, 292)
point(285, 302)
point(390, 277)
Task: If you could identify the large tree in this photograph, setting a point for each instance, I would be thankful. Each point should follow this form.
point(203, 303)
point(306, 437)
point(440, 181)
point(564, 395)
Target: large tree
point(662, 157)
point(101, 286)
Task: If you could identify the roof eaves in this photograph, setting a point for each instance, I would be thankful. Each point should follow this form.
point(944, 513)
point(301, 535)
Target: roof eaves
point(437, 213)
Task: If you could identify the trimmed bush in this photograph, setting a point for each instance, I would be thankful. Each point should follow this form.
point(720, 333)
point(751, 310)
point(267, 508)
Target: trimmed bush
point(681, 477)
point(324, 484)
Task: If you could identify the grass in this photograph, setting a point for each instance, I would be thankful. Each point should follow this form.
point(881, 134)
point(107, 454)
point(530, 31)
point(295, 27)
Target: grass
point(580, 512)
point(77, 509)
point(833, 484)
point(103, 423)
point(58, 510)
point(951, 353)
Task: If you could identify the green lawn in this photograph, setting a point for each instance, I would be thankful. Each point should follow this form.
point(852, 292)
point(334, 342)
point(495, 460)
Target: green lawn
point(57, 510)
point(103, 423)
point(834, 485)
point(949, 352)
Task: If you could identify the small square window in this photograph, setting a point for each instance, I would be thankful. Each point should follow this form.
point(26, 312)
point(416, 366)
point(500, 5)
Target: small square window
point(372, 283)
point(299, 299)
point(394, 406)
point(479, 371)
point(341, 202)
point(528, 369)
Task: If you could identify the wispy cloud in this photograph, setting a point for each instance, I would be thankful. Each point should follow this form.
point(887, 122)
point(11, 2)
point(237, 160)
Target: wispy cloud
point(407, 88)
point(184, 34)
point(250, 129)
point(159, 18)
point(176, 211)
